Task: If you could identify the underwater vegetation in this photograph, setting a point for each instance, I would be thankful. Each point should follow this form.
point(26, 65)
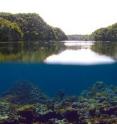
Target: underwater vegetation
point(25, 103)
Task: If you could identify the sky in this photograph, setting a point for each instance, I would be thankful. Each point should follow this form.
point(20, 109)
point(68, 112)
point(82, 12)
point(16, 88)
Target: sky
point(72, 16)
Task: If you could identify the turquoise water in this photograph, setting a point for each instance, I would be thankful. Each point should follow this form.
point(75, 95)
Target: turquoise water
point(72, 79)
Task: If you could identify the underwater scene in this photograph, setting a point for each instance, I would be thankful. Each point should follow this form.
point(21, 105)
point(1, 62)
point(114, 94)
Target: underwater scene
point(60, 68)
point(70, 82)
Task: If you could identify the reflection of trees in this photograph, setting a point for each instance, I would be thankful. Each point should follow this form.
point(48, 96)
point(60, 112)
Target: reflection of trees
point(106, 48)
point(73, 47)
point(27, 37)
point(33, 52)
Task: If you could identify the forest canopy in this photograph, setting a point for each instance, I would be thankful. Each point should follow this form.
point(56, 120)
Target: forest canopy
point(31, 26)
point(26, 32)
point(106, 34)
point(9, 31)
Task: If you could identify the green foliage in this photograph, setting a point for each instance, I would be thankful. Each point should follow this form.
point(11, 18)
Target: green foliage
point(100, 34)
point(106, 34)
point(79, 37)
point(10, 36)
point(9, 31)
point(59, 34)
point(34, 27)
point(26, 37)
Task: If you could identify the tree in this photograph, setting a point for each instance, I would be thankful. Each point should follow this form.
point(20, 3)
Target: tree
point(9, 31)
point(10, 36)
point(34, 27)
point(106, 34)
point(100, 34)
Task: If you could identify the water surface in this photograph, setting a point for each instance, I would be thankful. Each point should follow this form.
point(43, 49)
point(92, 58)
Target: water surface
point(72, 70)
point(80, 53)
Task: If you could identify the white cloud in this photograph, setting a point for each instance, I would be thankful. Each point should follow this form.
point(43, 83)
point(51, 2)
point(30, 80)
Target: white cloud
point(73, 16)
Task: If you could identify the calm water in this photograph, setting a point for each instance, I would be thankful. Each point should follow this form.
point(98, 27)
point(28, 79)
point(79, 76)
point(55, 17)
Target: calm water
point(77, 67)
point(79, 53)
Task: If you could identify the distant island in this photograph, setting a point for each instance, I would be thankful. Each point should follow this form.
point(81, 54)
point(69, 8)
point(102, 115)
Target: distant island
point(78, 37)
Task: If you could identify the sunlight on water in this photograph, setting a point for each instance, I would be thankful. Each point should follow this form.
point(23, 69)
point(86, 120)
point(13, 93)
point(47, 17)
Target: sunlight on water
point(78, 43)
point(82, 56)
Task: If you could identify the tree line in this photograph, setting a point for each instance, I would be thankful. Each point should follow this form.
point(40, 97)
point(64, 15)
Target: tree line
point(103, 34)
point(78, 37)
point(29, 28)
point(106, 34)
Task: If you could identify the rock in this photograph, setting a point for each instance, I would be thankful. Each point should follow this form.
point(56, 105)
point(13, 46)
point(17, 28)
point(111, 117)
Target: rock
point(25, 92)
point(71, 116)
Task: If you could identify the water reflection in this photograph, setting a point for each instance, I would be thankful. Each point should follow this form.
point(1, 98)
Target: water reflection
point(75, 45)
point(79, 52)
point(34, 51)
point(106, 48)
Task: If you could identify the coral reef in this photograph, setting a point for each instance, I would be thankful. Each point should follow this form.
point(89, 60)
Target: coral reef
point(24, 92)
point(97, 105)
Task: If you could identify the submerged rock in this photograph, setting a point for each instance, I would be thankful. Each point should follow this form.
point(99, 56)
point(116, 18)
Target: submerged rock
point(94, 106)
point(24, 92)
point(4, 110)
point(101, 93)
